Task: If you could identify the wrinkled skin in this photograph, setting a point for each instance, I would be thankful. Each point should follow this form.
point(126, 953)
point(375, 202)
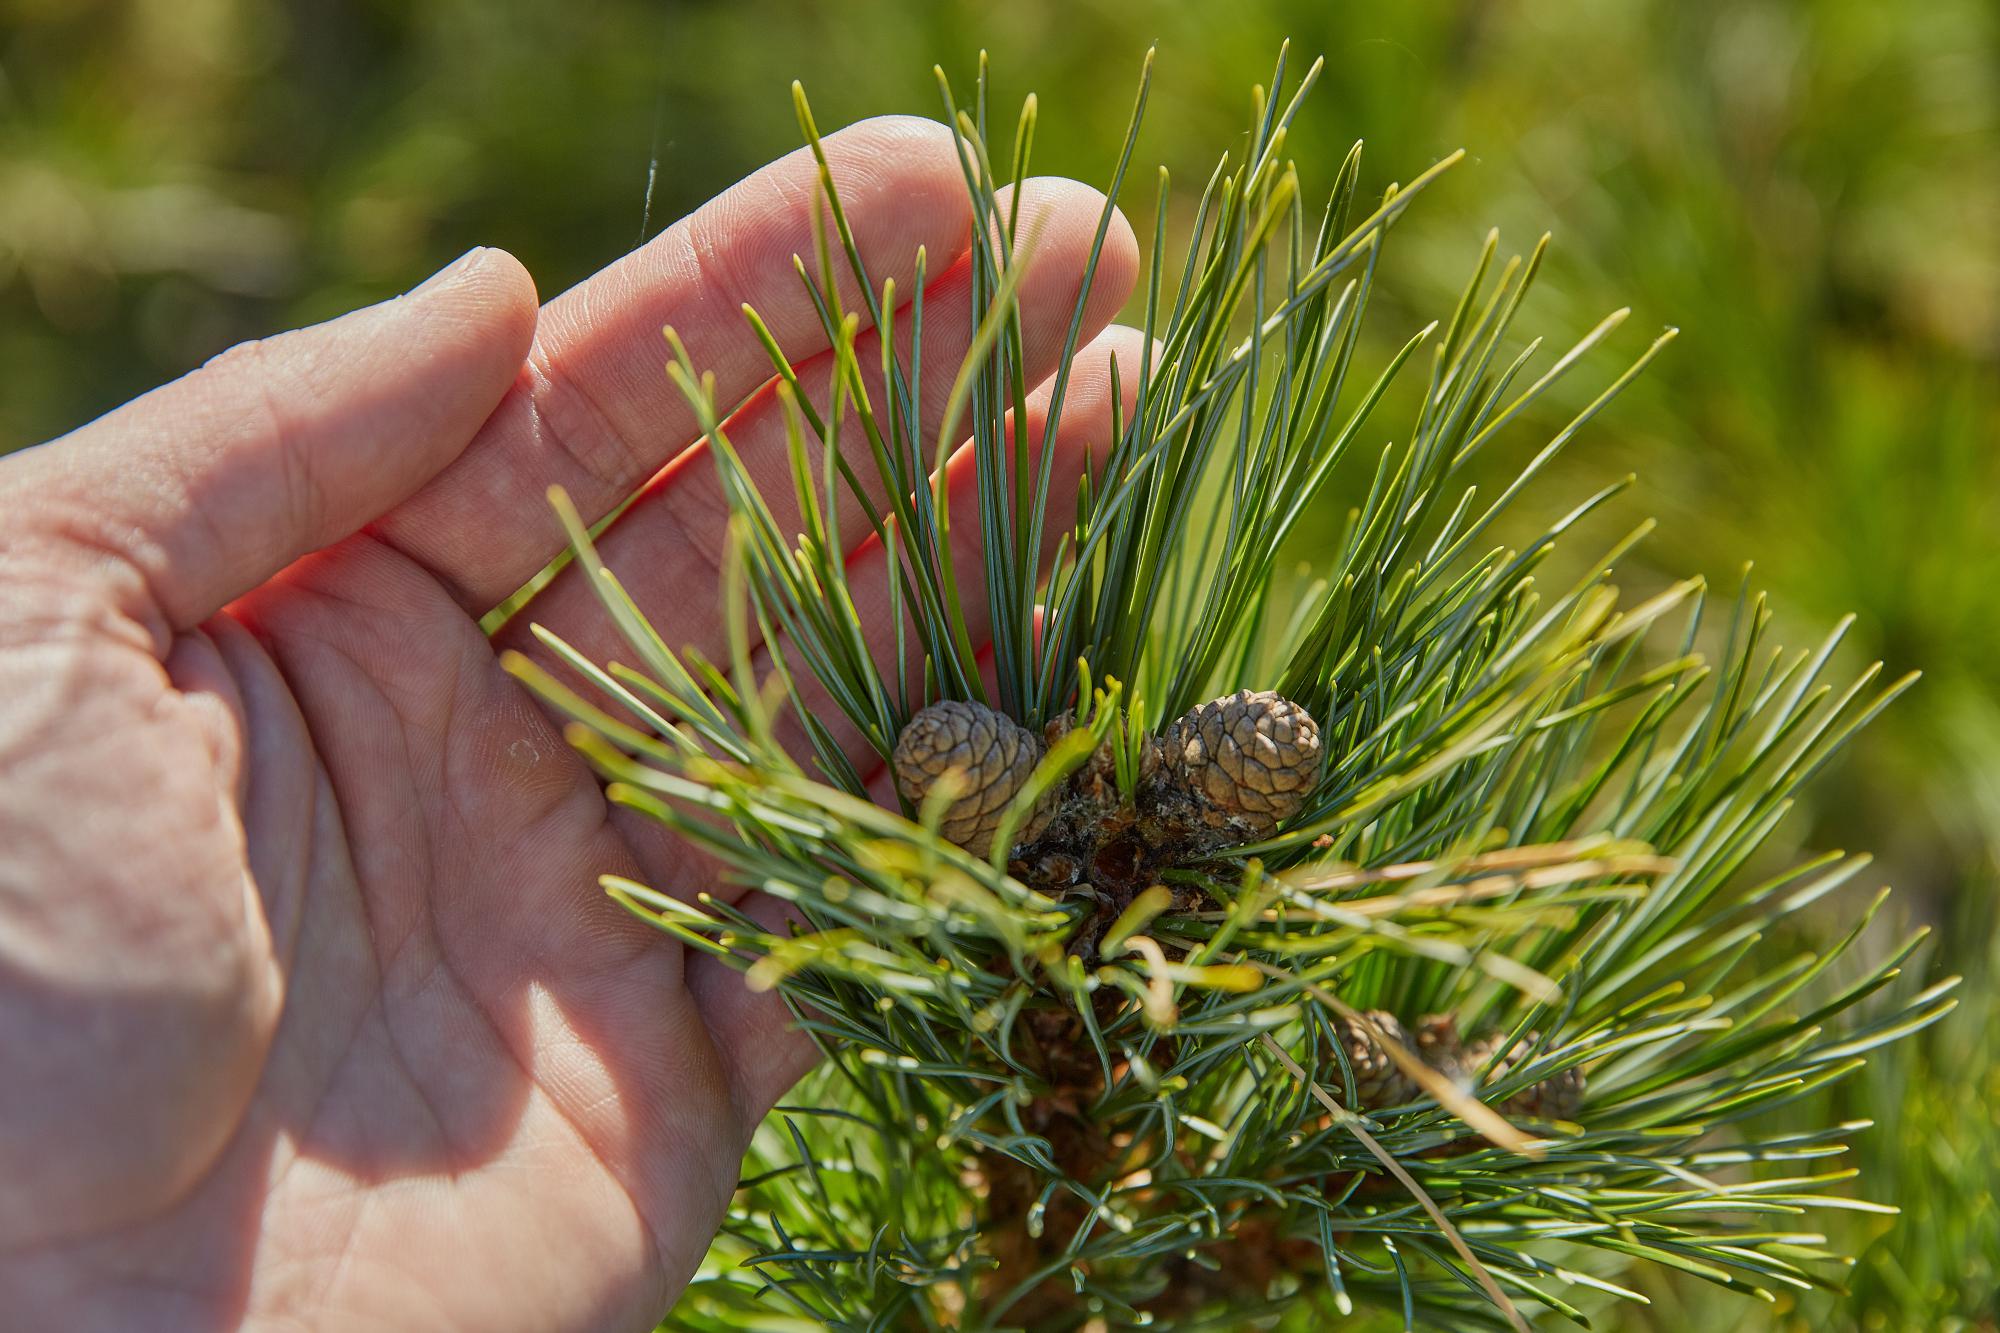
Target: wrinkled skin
point(311, 1012)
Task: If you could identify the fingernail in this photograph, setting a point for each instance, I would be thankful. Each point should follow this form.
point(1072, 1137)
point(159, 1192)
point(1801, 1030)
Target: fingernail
point(450, 272)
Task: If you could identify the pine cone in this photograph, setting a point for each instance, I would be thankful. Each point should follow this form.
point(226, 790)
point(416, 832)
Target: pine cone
point(1438, 1042)
point(994, 754)
point(1377, 1080)
point(1247, 760)
point(1557, 1097)
point(1379, 1084)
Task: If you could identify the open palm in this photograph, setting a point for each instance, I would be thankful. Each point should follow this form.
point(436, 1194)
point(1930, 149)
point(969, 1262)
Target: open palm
point(310, 1009)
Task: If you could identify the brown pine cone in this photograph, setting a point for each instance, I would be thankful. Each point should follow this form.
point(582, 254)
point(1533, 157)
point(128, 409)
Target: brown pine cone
point(1557, 1097)
point(1377, 1080)
point(1438, 1042)
point(995, 756)
point(1247, 760)
point(1435, 1040)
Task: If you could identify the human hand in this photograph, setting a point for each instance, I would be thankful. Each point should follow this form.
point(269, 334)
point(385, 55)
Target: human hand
point(311, 1011)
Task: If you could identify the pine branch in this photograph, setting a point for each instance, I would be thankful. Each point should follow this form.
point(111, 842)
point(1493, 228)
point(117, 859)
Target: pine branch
point(1533, 818)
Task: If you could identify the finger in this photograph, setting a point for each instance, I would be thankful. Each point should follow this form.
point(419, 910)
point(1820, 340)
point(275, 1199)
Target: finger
point(759, 1039)
point(1082, 437)
point(683, 514)
point(1082, 434)
point(204, 488)
point(596, 413)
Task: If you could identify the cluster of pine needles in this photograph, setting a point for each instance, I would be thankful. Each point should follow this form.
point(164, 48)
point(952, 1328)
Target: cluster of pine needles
point(1542, 811)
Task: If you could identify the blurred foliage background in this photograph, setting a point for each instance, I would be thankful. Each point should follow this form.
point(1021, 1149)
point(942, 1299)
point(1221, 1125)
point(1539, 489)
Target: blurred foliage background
point(1811, 191)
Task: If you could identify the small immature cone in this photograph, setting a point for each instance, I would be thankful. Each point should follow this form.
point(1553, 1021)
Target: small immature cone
point(1380, 1084)
point(1248, 761)
point(1557, 1097)
point(1377, 1080)
point(993, 753)
point(1437, 1041)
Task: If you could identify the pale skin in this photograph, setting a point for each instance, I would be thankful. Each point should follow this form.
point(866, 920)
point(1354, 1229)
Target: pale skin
point(312, 1013)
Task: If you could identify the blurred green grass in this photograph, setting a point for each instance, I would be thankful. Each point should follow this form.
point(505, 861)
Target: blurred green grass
point(1810, 190)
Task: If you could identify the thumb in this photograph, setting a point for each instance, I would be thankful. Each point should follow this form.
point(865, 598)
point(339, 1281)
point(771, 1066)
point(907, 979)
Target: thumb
point(204, 488)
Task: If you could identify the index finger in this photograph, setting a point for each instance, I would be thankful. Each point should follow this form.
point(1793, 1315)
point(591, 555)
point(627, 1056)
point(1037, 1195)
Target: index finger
point(593, 411)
